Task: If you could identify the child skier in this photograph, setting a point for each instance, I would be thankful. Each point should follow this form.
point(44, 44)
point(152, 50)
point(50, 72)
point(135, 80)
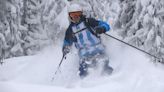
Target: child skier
point(83, 32)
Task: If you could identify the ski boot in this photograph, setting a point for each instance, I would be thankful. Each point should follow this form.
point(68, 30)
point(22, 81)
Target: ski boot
point(83, 70)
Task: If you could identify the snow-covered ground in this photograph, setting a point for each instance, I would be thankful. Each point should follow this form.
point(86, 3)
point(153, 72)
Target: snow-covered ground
point(133, 72)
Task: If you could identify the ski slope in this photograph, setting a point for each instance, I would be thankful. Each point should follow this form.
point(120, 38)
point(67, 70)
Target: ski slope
point(133, 72)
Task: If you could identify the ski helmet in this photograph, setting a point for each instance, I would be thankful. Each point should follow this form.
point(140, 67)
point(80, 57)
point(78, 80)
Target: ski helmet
point(75, 13)
point(74, 8)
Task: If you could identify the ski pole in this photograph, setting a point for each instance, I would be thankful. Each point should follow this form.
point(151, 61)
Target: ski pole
point(60, 63)
point(59, 66)
point(161, 60)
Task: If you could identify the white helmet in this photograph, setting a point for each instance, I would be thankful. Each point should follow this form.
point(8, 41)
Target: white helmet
point(74, 8)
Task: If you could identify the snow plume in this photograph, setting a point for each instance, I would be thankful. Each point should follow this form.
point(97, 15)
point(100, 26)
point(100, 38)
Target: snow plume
point(141, 23)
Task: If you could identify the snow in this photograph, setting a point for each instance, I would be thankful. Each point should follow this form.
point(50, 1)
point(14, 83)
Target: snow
point(158, 41)
point(2, 37)
point(156, 21)
point(150, 10)
point(145, 2)
point(133, 72)
point(16, 48)
point(22, 28)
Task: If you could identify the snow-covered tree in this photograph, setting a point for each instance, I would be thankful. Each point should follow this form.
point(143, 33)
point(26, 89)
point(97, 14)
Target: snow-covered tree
point(104, 9)
point(2, 38)
point(142, 23)
point(50, 12)
point(9, 30)
point(25, 25)
point(35, 36)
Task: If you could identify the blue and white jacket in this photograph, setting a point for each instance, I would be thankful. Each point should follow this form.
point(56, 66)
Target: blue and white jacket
point(85, 40)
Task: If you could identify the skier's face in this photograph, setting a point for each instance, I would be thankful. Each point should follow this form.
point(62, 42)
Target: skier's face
point(75, 16)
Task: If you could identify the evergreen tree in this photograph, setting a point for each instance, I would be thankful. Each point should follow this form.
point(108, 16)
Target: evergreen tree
point(51, 10)
point(25, 26)
point(142, 24)
point(35, 37)
point(9, 31)
point(2, 24)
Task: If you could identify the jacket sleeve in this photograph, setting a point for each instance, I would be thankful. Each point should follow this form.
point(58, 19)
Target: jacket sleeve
point(94, 23)
point(104, 25)
point(68, 37)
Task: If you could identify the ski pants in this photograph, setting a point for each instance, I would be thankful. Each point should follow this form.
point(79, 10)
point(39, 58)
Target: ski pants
point(90, 59)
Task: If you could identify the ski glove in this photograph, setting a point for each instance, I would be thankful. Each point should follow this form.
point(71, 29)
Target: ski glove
point(99, 30)
point(66, 50)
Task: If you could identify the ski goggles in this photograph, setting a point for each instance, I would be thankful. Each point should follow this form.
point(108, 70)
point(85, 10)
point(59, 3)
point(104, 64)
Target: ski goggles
point(75, 14)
